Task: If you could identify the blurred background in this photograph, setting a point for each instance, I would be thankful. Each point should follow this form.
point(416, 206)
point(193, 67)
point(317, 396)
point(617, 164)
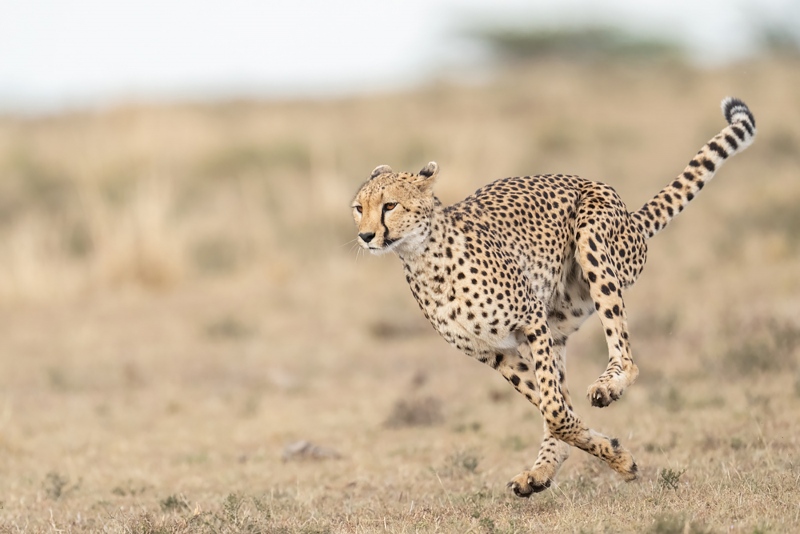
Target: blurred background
point(180, 287)
point(156, 142)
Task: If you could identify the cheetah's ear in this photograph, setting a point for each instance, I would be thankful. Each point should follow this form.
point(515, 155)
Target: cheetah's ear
point(380, 169)
point(427, 176)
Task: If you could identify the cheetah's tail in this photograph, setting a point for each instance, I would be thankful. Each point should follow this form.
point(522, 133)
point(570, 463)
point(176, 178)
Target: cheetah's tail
point(738, 135)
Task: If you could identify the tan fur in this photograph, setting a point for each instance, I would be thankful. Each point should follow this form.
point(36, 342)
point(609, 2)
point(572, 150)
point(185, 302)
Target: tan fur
point(523, 262)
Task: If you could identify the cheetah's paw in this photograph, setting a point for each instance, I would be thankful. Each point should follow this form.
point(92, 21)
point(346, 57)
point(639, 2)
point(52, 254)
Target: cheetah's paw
point(625, 465)
point(527, 483)
point(601, 394)
point(609, 387)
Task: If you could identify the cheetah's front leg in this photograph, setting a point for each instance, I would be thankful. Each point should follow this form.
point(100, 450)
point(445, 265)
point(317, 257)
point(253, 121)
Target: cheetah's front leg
point(556, 409)
point(552, 451)
point(519, 371)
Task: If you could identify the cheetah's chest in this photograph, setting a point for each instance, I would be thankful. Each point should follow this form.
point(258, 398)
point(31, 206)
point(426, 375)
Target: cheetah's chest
point(464, 314)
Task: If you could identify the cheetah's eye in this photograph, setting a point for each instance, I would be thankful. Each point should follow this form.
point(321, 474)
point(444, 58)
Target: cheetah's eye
point(389, 206)
point(359, 209)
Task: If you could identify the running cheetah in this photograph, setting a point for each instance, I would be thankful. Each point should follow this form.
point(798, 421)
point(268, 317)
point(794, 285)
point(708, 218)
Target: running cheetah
point(507, 274)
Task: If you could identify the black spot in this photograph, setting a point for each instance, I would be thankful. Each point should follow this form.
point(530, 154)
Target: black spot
point(515, 380)
point(708, 164)
point(718, 149)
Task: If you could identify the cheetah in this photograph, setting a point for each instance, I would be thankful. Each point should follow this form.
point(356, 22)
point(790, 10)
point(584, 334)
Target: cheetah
point(508, 273)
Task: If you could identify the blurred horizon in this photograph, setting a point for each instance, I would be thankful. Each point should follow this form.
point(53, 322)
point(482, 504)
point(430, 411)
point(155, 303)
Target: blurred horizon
point(87, 54)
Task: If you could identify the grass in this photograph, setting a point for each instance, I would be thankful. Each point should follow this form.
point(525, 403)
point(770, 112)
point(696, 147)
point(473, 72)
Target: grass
point(180, 299)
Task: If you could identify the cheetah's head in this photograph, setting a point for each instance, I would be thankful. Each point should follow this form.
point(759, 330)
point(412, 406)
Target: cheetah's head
point(393, 210)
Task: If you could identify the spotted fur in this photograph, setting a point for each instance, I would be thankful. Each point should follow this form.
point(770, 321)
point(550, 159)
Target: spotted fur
point(507, 274)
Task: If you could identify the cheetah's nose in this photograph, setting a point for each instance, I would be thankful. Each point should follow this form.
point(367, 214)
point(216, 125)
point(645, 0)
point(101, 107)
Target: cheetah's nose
point(366, 237)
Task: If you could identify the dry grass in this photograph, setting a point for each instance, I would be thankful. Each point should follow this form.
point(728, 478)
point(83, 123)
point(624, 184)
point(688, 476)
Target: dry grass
point(179, 300)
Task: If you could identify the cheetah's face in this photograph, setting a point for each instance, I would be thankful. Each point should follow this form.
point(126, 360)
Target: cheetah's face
point(393, 210)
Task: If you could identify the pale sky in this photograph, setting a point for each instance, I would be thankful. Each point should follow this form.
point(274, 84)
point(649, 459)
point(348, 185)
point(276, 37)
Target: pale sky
point(56, 53)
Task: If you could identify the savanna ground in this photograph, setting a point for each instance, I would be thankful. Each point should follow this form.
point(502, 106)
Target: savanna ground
point(180, 299)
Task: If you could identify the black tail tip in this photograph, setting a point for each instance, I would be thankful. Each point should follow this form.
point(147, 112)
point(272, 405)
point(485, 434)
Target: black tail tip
point(732, 106)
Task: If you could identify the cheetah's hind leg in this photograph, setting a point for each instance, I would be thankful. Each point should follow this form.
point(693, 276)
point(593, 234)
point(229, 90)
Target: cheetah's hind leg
point(605, 289)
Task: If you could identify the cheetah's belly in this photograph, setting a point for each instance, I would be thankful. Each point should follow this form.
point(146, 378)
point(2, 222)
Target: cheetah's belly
point(471, 335)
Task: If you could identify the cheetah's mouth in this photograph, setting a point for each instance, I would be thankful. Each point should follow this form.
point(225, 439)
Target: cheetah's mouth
point(388, 246)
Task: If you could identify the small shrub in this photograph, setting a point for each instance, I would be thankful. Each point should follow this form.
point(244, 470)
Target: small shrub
point(676, 524)
point(216, 256)
point(766, 346)
point(54, 485)
point(461, 463)
point(231, 507)
point(737, 444)
point(670, 478)
point(474, 426)
point(488, 525)
point(424, 411)
point(57, 378)
point(174, 504)
point(228, 327)
point(515, 443)
point(673, 401)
